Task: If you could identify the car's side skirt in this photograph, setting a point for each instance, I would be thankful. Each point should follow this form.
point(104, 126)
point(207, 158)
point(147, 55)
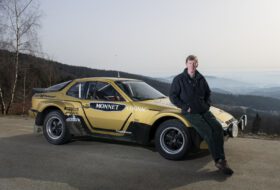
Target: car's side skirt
point(136, 132)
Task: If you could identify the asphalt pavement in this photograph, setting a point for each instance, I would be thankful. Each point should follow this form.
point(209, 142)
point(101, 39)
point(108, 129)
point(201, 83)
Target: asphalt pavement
point(28, 161)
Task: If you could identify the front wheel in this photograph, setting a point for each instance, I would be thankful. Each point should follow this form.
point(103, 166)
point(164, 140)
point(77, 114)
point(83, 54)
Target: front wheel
point(55, 130)
point(172, 140)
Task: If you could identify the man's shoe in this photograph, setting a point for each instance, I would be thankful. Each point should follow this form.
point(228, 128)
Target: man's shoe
point(223, 166)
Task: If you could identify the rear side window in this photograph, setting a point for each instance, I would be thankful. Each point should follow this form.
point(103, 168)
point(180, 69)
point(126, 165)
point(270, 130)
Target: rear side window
point(77, 90)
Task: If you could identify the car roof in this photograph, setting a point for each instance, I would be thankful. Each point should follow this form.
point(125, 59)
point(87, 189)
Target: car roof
point(105, 79)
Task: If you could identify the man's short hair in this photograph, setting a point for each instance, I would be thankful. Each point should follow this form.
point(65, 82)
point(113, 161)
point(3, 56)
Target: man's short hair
point(191, 58)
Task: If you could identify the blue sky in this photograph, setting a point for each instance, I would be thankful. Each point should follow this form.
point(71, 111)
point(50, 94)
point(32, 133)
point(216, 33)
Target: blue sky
point(153, 37)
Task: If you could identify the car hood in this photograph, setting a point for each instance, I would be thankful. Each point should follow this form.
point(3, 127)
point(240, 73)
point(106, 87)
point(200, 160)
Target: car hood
point(221, 114)
point(164, 105)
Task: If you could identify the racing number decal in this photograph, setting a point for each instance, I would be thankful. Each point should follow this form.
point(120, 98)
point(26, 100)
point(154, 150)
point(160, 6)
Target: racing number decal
point(107, 106)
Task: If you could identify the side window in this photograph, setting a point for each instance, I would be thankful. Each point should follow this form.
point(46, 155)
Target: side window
point(90, 94)
point(106, 92)
point(77, 90)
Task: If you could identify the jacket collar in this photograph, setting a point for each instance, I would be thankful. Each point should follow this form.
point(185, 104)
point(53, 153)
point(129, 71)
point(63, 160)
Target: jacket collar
point(196, 77)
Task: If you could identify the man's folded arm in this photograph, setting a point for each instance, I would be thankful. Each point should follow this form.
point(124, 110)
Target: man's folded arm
point(174, 95)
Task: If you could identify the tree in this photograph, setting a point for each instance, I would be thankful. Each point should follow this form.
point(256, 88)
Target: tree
point(256, 124)
point(19, 24)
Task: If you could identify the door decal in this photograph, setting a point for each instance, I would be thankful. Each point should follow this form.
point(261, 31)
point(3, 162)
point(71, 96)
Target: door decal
point(107, 106)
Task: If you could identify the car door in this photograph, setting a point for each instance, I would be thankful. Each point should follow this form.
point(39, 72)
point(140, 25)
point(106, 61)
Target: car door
point(105, 108)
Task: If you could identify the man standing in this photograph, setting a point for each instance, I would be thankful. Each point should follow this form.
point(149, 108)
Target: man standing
point(190, 92)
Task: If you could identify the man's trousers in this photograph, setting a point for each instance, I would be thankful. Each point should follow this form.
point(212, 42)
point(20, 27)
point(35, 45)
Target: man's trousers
point(210, 130)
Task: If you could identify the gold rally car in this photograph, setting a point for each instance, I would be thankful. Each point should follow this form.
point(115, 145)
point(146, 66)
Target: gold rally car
point(122, 109)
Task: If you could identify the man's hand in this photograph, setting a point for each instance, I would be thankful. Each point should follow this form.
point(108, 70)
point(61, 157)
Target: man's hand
point(189, 110)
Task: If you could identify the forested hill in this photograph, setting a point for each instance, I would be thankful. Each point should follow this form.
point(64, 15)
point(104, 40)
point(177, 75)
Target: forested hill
point(43, 73)
point(250, 101)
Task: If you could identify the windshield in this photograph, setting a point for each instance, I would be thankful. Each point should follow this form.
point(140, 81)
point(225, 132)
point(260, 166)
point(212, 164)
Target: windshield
point(139, 90)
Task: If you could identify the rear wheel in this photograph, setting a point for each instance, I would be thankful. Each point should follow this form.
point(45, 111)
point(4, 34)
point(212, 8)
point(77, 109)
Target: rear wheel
point(55, 129)
point(172, 140)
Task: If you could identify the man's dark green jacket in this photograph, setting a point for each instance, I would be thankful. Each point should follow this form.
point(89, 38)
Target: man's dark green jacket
point(194, 93)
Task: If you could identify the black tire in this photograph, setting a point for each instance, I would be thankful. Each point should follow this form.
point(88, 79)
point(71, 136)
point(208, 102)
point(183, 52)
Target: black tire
point(173, 140)
point(55, 130)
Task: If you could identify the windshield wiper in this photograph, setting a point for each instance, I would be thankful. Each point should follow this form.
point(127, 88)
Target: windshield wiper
point(135, 98)
point(147, 99)
point(143, 99)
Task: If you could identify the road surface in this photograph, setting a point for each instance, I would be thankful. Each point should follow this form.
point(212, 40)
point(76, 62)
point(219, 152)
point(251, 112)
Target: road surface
point(28, 161)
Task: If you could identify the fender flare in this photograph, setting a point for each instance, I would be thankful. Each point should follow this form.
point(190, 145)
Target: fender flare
point(174, 115)
point(48, 105)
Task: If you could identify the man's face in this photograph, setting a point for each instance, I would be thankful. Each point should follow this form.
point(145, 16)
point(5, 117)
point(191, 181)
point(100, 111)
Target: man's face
point(191, 65)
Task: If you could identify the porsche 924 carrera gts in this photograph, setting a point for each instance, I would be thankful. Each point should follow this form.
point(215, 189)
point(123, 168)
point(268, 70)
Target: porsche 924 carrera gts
point(123, 109)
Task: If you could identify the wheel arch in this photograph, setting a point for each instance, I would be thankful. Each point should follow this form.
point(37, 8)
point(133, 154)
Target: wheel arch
point(41, 115)
point(160, 119)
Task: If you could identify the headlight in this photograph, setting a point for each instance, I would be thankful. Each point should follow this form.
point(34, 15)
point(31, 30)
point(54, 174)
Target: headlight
point(233, 129)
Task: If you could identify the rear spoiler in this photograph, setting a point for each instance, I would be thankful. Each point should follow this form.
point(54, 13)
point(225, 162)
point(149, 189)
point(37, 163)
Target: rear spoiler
point(53, 88)
point(39, 90)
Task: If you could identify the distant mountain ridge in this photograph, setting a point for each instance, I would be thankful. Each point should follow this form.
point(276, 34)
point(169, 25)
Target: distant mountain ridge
point(268, 92)
point(230, 86)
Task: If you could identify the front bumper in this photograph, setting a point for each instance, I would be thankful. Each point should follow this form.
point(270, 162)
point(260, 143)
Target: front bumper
point(234, 126)
point(231, 129)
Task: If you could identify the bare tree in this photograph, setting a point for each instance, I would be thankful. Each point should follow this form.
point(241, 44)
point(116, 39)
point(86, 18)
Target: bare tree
point(24, 90)
point(3, 106)
point(18, 29)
